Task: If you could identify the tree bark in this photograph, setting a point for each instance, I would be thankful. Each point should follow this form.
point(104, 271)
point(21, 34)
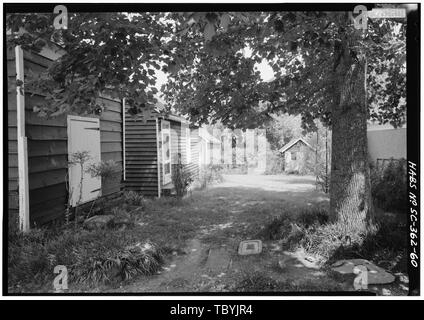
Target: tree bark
point(350, 188)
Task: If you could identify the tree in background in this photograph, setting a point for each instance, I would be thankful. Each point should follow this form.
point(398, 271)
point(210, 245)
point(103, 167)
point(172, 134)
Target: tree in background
point(283, 129)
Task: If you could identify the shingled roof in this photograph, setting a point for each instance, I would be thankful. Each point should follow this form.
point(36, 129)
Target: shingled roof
point(292, 143)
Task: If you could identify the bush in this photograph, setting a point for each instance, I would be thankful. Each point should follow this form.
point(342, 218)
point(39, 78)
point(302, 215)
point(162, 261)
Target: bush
point(122, 218)
point(313, 216)
point(386, 247)
point(104, 169)
point(276, 229)
point(291, 227)
point(389, 186)
point(324, 240)
point(181, 179)
point(116, 264)
point(274, 163)
point(311, 230)
point(92, 257)
point(322, 177)
point(210, 174)
point(133, 198)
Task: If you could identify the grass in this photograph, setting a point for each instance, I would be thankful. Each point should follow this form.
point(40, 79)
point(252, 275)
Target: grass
point(105, 257)
point(386, 247)
point(292, 226)
point(91, 257)
point(118, 253)
point(310, 230)
point(258, 282)
point(217, 217)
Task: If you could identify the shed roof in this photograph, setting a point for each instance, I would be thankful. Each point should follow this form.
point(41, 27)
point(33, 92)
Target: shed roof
point(292, 143)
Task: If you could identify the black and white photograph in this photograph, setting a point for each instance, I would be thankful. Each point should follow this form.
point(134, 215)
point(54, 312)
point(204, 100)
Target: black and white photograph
point(218, 149)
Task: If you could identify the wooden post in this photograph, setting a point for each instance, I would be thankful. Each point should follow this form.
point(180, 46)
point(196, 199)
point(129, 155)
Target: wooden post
point(22, 143)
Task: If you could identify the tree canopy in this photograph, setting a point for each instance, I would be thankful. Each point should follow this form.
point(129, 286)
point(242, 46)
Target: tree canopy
point(109, 53)
point(210, 76)
point(217, 81)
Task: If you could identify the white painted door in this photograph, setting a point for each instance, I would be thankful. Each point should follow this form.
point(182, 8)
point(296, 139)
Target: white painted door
point(166, 151)
point(83, 135)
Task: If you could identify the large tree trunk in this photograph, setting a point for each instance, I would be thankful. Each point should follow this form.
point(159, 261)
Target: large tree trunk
point(350, 189)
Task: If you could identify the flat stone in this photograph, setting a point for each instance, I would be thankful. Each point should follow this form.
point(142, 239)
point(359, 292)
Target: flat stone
point(376, 275)
point(250, 247)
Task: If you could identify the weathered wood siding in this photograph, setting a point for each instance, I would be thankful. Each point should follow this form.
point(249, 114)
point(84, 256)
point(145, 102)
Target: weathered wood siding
point(48, 149)
point(141, 155)
point(47, 153)
point(13, 198)
point(111, 142)
point(298, 165)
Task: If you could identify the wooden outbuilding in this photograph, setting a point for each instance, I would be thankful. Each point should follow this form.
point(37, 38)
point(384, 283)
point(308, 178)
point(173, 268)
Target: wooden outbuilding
point(209, 148)
point(295, 154)
point(41, 183)
point(154, 144)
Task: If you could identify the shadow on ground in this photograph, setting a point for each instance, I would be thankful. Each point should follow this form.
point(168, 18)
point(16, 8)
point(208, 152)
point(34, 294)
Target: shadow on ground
point(212, 222)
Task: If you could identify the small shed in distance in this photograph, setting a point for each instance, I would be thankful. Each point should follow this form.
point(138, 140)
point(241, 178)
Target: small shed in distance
point(295, 154)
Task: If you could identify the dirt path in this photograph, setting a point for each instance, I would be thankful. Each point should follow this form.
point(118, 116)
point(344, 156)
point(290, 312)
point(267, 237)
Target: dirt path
point(210, 262)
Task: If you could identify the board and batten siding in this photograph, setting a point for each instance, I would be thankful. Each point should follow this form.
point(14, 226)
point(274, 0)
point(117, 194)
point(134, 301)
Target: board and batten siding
point(13, 194)
point(143, 153)
point(47, 153)
point(111, 142)
point(48, 149)
point(141, 162)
